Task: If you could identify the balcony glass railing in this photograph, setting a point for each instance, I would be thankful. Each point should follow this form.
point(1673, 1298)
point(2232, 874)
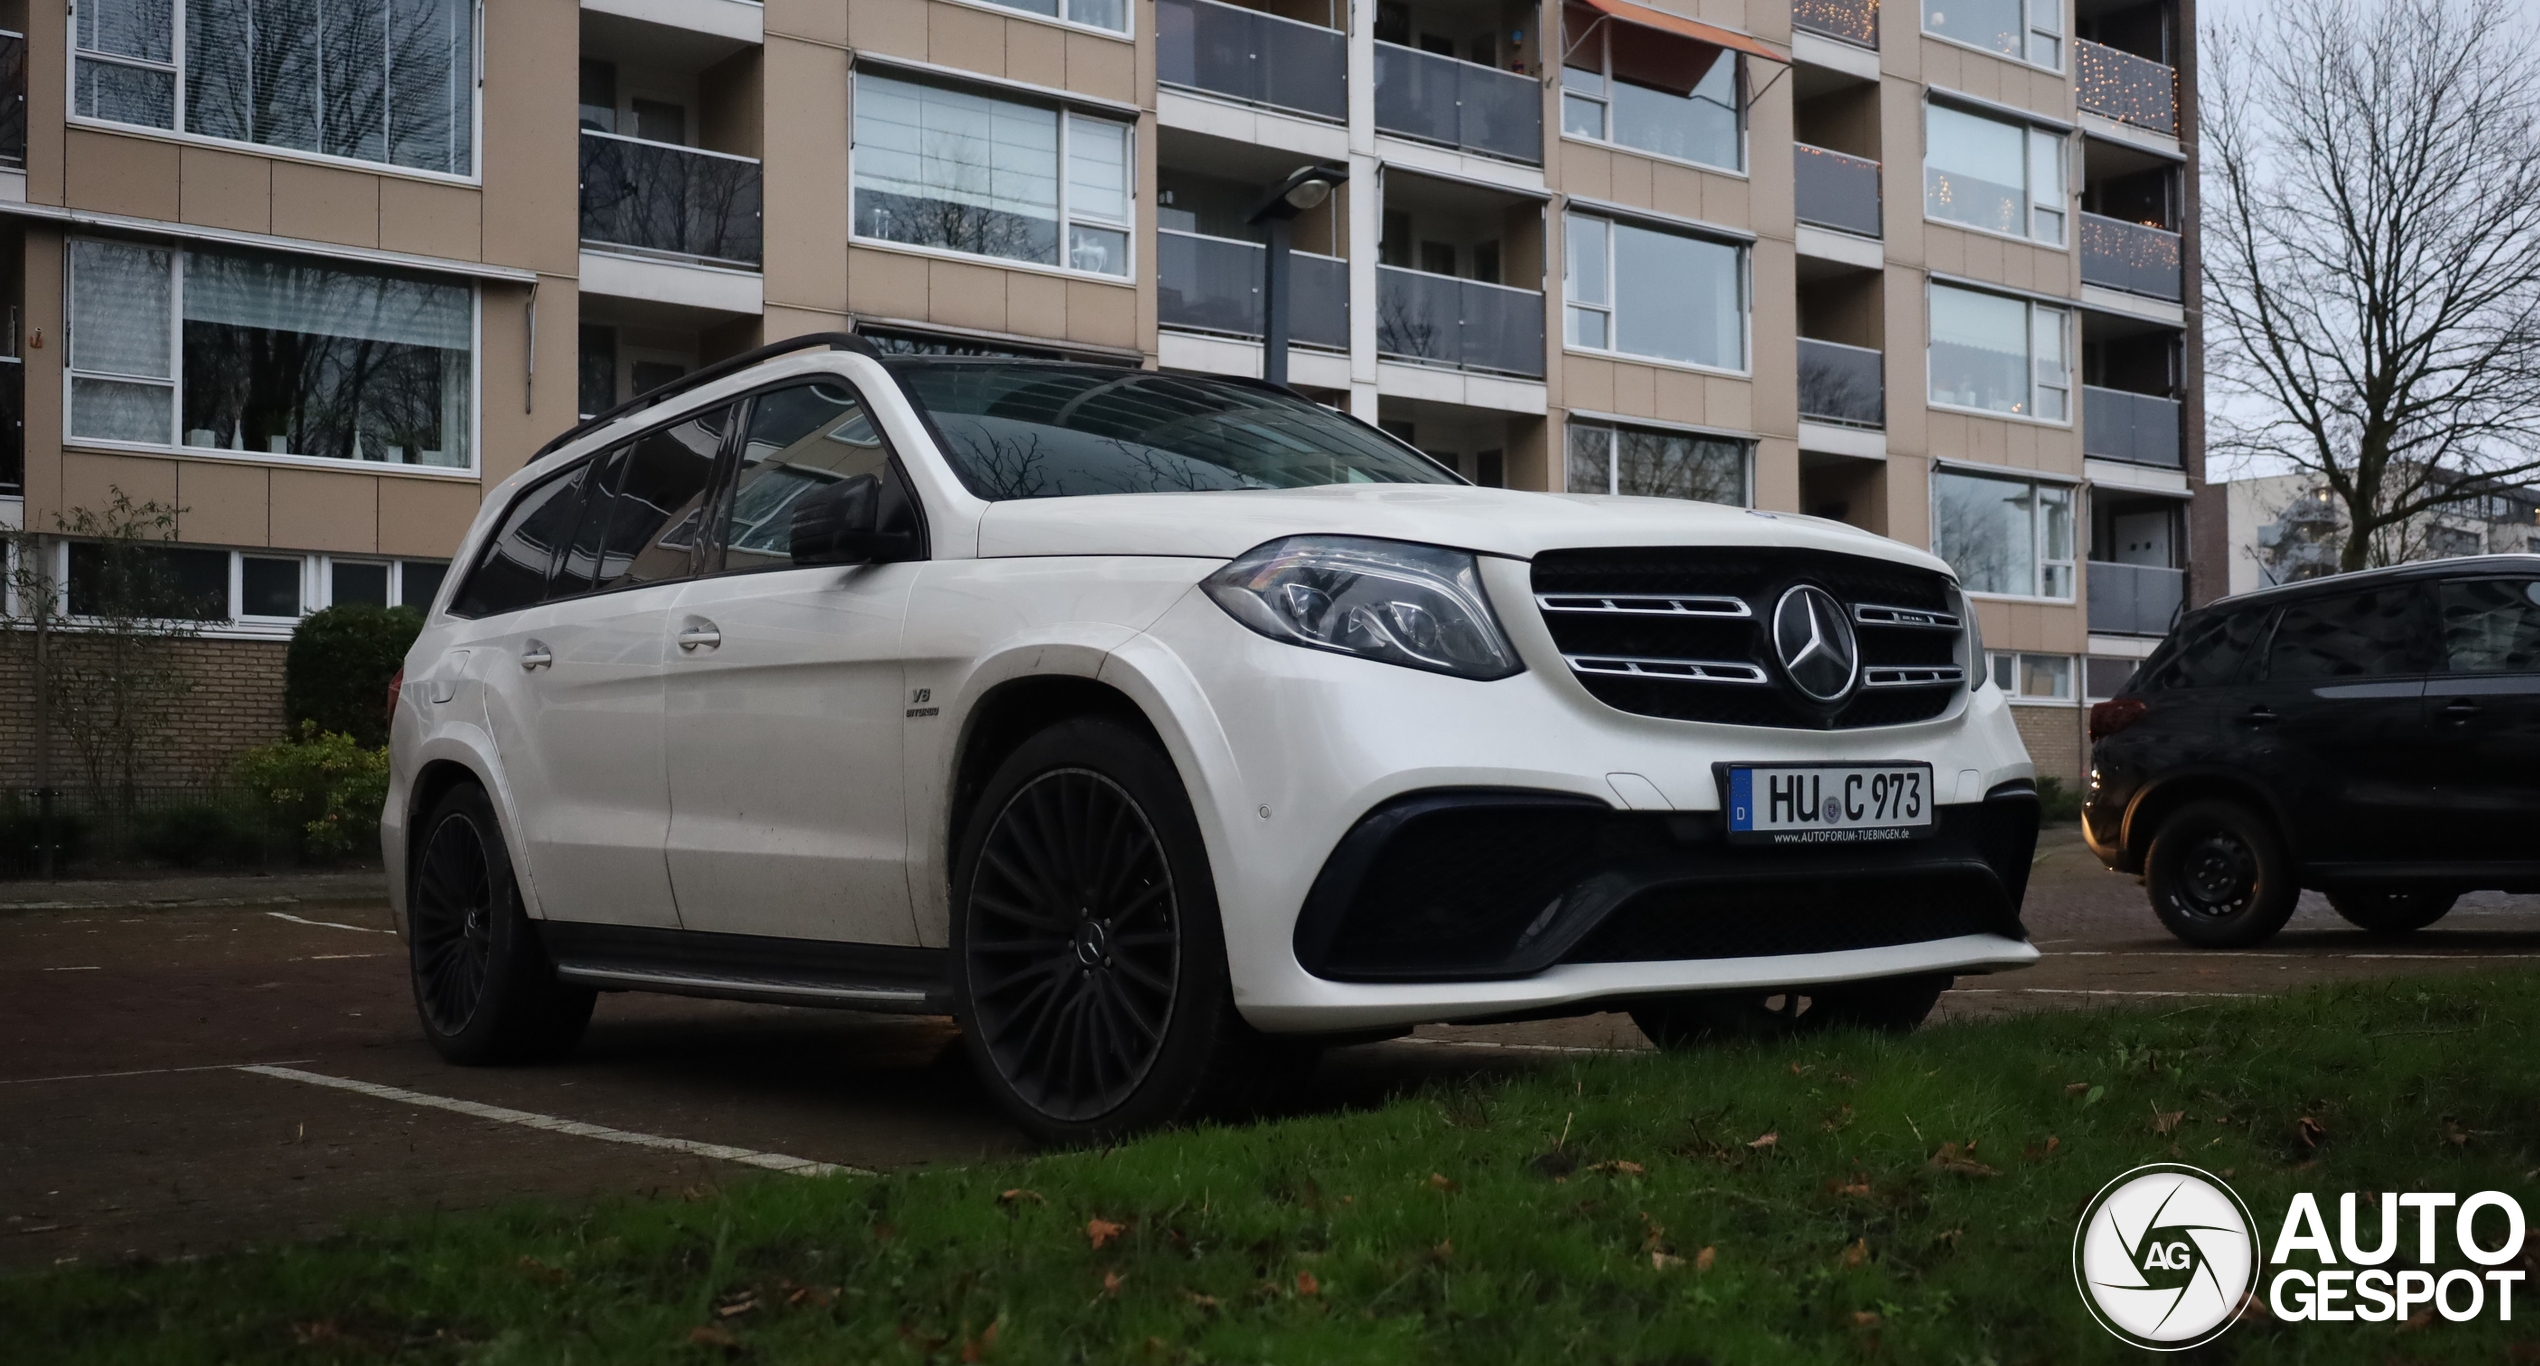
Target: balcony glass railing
point(2125, 87)
point(12, 426)
point(2140, 429)
point(1460, 104)
point(678, 201)
point(12, 100)
point(1841, 384)
point(2134, 599)
point(1248, 55)
point(1213, 284)
point(1835, 190)
point(1464, 323)
point(2133, 257)
point(1854, 21)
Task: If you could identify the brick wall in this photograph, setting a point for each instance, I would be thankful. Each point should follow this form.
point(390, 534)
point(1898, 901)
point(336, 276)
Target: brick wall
point(2053, 737)
point(233, 702)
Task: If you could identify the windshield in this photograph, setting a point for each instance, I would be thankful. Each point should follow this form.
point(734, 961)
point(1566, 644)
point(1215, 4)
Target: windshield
point(1022, 429)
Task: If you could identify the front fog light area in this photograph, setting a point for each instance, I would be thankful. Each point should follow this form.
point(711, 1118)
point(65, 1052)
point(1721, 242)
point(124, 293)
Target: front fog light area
point(1419, 606)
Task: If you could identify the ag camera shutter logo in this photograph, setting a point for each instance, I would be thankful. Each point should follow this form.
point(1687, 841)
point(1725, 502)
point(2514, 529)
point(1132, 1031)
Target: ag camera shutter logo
point(2165, 1256)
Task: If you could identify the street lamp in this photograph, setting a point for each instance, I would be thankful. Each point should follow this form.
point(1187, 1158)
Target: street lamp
point(1304, 189)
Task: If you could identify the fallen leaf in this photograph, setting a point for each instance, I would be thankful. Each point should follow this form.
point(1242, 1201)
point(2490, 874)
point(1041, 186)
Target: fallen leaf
point(2455, 1135)
point(736, 1306)
point(1858, 1253)
point(1444, 1249)
point(1951, 1158)
point(1307, 1285)
point(2074, 1088)
point(1798, 1071)
point(2310, 1131)
point(1660, 1261)
point(2164, 1121)
point(1702, 1260)
point(1863, 1318)
point(885, 1232)
point(1765, 1141)
point(1111, 1282)
point(707, 1335)
point(1102, 1231)
point(1018, 1195)
point(1206, 1302)
point(1950, 1236)
point(1839, 1120)
point(540, 1271)
point(975, 1349)
point(1619, 1167)
point(1858, 1185)
point(1440, 1181)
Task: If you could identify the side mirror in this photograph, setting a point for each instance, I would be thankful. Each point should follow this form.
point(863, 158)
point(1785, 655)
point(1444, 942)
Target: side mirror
point(842, 524)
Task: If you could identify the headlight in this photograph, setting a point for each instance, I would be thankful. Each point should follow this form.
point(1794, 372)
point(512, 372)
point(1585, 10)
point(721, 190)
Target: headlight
point(1420, 606)
point(1971, 640)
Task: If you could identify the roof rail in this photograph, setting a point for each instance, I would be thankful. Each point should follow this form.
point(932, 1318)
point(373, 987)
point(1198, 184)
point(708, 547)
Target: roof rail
point(730, 365)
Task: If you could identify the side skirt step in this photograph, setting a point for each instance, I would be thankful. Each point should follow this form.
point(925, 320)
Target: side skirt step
point(747, 967)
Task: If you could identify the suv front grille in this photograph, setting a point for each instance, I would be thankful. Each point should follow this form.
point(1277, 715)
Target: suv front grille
point(1683, 632)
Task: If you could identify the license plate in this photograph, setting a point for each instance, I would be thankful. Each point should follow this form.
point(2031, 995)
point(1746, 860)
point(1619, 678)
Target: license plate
point(1828, 803)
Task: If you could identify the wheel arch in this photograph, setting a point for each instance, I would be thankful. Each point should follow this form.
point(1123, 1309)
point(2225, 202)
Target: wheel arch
point(2156, 801)
point(1014, 711)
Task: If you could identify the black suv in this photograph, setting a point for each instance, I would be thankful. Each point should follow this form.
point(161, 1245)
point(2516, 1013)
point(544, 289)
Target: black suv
point(2373, 735)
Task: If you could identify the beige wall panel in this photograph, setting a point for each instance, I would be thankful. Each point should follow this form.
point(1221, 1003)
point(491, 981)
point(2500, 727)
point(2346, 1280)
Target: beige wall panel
point(896, 27)
point(430, 219)
point(90, 480)
point(1942, 65)
point(1676, 190)
point(225, 190)
point(1587, 171)
point(43, 376)
point(1104, 66)
point(1909, 500)
point(1104, 315)
point(225, 504)
point(1901, 173)
point(883, 284)
point(325, 510)
point(1036, 53)
point(531, 149)
point(1036, 305)
point(1587, 382)
point(961, 295)
point(970, 39)
point(1681, 396)
point(806, 176)
point(1777, 474)
point(1631, 180)
point(424, 517)
point(1726, 199)
point(822, 21)
point(114, 174)
point(1774, 337)
point(780, 322)
point(324, 204)
point(509, 433)
point(1768, 163)
point(1635, 391)
point(1986, 257)
point(1907, 332)
point(1731, 403)
point(46, 101)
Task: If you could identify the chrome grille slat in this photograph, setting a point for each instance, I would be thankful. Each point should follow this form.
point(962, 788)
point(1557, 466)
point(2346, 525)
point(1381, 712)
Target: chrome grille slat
point(1918, 676)
point(1647, 604)
point(1872, 614)
point(1673, 670)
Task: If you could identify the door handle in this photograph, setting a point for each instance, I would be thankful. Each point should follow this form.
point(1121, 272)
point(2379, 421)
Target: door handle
point(2259, 715)
point(699, 635)
point(2459, 710)
point(535, 656)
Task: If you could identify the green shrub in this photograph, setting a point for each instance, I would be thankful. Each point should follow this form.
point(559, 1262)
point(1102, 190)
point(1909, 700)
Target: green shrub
point(325, 787)
point(2056, 802)
point(21, 834)
point(198, 833)
point(336, 677)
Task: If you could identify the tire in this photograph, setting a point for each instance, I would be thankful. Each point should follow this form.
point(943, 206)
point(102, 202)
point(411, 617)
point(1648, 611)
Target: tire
point(2403, 910)
point(1890, 1005)
point(1089, 964)
point(2218, 876)
point(484, 987)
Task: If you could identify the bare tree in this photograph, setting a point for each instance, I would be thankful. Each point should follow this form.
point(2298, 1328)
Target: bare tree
point(2372, 254)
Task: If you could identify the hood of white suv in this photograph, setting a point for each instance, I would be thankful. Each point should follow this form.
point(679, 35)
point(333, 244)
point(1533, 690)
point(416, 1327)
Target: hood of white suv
point(1222, 525)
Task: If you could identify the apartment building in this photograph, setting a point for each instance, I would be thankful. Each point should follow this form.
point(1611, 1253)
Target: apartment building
point(321, 272)
point(2284, 527)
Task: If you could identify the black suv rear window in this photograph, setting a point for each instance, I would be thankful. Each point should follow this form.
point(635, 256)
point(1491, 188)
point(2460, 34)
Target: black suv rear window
point(2206, 654)
point(1042, 430)
point(2352, 635)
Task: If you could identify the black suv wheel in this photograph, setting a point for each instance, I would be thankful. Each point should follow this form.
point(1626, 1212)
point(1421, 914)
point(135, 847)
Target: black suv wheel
point(483, 985)
point(1089, 963)
point(2218, 876)
point(2400, 911)
point(1889, 1005)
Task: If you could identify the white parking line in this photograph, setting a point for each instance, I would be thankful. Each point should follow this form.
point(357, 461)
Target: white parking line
point(2465, 955)
point(328, 924)
point(1512, 1047)
point(775, 1162)
point(2085, 991)
point(141, 1072)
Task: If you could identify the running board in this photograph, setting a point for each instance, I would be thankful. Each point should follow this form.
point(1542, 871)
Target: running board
point(748, 967)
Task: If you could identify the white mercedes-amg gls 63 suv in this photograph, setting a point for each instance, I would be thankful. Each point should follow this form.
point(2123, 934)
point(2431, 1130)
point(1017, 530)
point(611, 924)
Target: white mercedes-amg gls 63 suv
point(1161, 728)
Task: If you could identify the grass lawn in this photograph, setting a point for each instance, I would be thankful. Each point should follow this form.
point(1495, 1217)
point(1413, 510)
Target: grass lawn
point(1842, 1198)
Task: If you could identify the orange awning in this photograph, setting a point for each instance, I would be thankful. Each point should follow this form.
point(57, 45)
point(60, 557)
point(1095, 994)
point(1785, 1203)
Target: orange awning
point(1682, 27)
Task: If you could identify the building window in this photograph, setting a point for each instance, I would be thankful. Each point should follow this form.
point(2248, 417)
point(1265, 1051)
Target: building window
point(1996, 174)
point(959, 171)
point(235, 587)
point(2022, 30)
point(2033, 678)
point(1686, 295)
point(391, 81)
point(2006, 536)
point(1998, 354)
point(268, 355)
point(1657, 464)
point(1651, 91)
point(1110, 15)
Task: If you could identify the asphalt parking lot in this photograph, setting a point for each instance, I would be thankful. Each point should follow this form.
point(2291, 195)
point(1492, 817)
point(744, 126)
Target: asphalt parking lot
point(189, 1065)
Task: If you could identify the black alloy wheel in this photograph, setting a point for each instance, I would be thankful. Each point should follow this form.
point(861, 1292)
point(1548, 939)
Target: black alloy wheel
point(484, 986)
point(1075, 944)
point(1892, 1005)
point(2218, 877)
point(2402, 910)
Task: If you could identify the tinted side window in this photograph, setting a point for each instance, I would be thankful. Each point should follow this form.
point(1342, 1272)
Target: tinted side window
point(2491, 626)
point(579, 563)
point(652, 529)
point(512, 573)
point(2353, 635)
point(2208, 654)
point(801, 439)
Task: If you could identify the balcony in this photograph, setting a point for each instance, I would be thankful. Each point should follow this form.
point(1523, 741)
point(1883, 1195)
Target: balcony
point(12, 101)
point(2133, 257)
point(1853, 21)
point(1251, 56)
point(2134, 599)
point(2124, 87)
point(1462, 323)
point(1430, 98)
point(12, 427)
point(653, 197)
point(1841, 384)
point(1213, 284)
point(2140, 429)
point(1836, 191)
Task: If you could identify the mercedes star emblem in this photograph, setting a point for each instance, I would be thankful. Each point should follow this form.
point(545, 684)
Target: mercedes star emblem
point(1814, 642)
